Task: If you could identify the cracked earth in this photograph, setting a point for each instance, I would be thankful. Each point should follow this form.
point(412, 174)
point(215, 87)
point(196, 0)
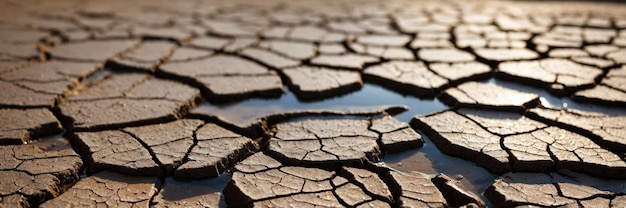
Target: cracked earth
point(312, 104)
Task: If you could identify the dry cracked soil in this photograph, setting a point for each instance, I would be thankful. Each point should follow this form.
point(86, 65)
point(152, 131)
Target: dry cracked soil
point(491, 103)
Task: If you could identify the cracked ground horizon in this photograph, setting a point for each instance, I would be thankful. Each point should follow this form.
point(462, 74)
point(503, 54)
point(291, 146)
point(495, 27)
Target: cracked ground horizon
point(489, 103)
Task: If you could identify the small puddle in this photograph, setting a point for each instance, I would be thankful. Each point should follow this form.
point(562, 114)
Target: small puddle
point(369, 96)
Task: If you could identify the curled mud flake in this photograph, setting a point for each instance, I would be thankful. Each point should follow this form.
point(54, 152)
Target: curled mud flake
point(107, 189)
point(21, 126)
point(95, 51)
point(320, 82)
point(480, 95)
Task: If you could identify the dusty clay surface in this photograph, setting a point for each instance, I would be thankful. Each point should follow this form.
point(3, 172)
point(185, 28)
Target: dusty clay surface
point(312, 103)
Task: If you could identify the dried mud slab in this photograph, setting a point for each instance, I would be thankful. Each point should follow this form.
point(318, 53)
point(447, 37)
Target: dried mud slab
point(454, 194)
point(107, 189)
point(491, 96)
point(93, 51)
point(193, 193)
point(447, 55)
point(21, 126)
point(269, 58)
point(417, 79)
point(226, 78)
point(263, 181)
point(500, 55)
point(607, 130)
point(349, 61)
point(382, 51)
point(415, 189)
point(318, 82)
point(559, 75)
point(328, 143)
point(486, 138)
point(41, 84)
point(183, 54)
point(185, 149)
point(292, 49)
point(144, 57)
point(117, 151)
point(128, 99)
point(215, 151)
point(459, 136)
point(304, 33)
point(409, 77)
point(554, 190)
point(21, 51)
point(611, 90)
point(30, 175)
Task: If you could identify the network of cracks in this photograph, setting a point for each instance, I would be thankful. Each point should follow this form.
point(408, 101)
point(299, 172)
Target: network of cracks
point(312, 104)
